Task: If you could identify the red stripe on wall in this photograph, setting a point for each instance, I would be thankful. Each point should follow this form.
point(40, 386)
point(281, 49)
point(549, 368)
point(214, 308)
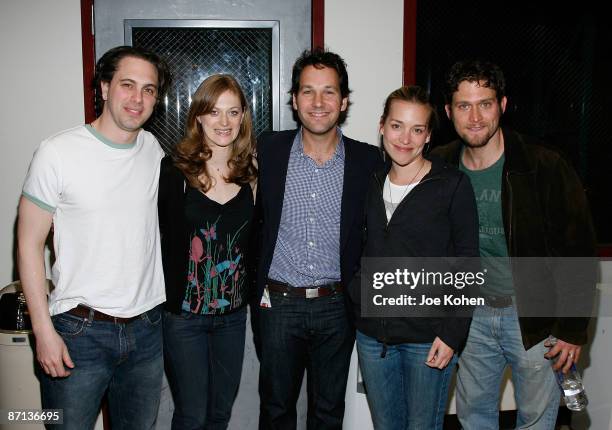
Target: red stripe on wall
point(89, 58)
point(318, 23)
point(410, 19)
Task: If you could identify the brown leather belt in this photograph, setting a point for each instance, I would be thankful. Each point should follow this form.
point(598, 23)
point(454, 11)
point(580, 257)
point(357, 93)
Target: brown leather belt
point(306, 292)
point(87, 312)
point(498, 301)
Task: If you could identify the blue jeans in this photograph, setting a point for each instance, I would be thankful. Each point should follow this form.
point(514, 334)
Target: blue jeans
point(298, 334)
point(493, 343)
point(402, 391)
point(203, 355)
point(125, 359)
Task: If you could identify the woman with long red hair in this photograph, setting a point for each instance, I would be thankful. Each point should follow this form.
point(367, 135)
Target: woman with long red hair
point(206, 202)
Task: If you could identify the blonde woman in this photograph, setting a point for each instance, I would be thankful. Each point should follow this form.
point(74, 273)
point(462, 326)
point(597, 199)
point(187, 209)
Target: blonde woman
point(416, 207)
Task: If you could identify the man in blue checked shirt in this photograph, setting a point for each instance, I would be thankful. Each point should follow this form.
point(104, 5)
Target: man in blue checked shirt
point(312, 184)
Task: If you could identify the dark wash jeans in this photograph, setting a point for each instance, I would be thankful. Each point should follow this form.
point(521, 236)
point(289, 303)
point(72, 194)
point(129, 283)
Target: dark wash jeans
point(126, 359)
point(203, 356)
point(300, 334)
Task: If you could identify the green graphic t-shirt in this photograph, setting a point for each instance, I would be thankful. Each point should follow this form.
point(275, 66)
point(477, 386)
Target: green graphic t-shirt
point(493, 250)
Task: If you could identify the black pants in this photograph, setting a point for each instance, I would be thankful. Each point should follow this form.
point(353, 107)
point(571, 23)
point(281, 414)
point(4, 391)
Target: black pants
point(300, 334)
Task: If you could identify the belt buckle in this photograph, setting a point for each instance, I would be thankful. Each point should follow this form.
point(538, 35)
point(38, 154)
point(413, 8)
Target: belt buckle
point(498, 302)
point(312, 293)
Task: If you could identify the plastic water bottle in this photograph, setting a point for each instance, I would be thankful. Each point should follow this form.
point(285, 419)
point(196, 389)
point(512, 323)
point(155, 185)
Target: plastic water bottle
point(573, 389)
point(571, 386)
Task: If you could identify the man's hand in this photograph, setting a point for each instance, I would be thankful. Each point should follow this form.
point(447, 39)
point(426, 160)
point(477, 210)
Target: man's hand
point(32, 230)
point(566, 353)
point(52, 354)
point(439, 355)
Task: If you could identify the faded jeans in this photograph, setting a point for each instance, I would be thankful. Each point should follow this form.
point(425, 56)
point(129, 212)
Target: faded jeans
point(493, 343)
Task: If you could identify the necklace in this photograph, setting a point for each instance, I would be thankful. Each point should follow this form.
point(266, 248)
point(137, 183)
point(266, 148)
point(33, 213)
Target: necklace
point(406, 187)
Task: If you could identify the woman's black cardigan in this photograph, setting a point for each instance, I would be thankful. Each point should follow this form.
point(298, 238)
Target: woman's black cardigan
point(438, 218)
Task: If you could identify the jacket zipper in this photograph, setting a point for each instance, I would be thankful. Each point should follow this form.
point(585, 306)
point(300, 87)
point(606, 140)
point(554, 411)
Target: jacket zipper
point(510, 243)
point(383, 323)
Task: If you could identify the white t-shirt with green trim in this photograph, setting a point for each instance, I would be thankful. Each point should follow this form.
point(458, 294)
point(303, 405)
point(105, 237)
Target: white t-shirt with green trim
point(103, 197)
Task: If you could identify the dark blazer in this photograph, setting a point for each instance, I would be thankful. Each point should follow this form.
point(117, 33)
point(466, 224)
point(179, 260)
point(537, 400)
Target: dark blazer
point(360, 161)
point(545, 214)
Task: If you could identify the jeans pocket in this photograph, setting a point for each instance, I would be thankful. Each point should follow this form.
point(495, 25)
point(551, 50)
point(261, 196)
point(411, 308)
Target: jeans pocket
point(279, 299)
point(153, 316)
point(68, 325)
point(335, 297)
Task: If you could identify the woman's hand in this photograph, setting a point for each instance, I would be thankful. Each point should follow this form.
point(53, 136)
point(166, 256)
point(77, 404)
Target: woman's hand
point(439, 355)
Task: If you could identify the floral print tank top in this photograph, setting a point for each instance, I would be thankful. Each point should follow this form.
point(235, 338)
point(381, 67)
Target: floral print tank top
point(219, 236)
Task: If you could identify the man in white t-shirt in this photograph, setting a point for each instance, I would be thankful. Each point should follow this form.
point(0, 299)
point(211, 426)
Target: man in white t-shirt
point(100, 328)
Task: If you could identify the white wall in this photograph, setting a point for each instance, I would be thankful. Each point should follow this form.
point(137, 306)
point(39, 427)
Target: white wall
point(595, 360)
point(369, 36)
point(41, 80)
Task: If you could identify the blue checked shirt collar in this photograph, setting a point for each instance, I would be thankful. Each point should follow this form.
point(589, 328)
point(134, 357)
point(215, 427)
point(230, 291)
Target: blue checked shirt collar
point(298, 147)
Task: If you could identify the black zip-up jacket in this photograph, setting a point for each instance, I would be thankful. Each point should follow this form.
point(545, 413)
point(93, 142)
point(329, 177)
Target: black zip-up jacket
point(438, 218)
point(545, 214)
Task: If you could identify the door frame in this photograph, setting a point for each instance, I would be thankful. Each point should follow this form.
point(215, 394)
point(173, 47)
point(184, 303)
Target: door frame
point(317, 41)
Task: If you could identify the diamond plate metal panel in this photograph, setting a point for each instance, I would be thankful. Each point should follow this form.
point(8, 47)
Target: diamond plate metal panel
point(193, 54)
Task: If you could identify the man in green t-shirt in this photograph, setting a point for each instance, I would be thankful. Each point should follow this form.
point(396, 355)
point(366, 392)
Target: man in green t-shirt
point(530, 204)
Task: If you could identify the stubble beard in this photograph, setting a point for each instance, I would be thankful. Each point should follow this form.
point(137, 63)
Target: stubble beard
point(479, 143)
point(474, 145)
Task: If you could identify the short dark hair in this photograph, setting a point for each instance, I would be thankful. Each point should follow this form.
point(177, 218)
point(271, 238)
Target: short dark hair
point(320, 58)
point(107, 66)
point(489, 74)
